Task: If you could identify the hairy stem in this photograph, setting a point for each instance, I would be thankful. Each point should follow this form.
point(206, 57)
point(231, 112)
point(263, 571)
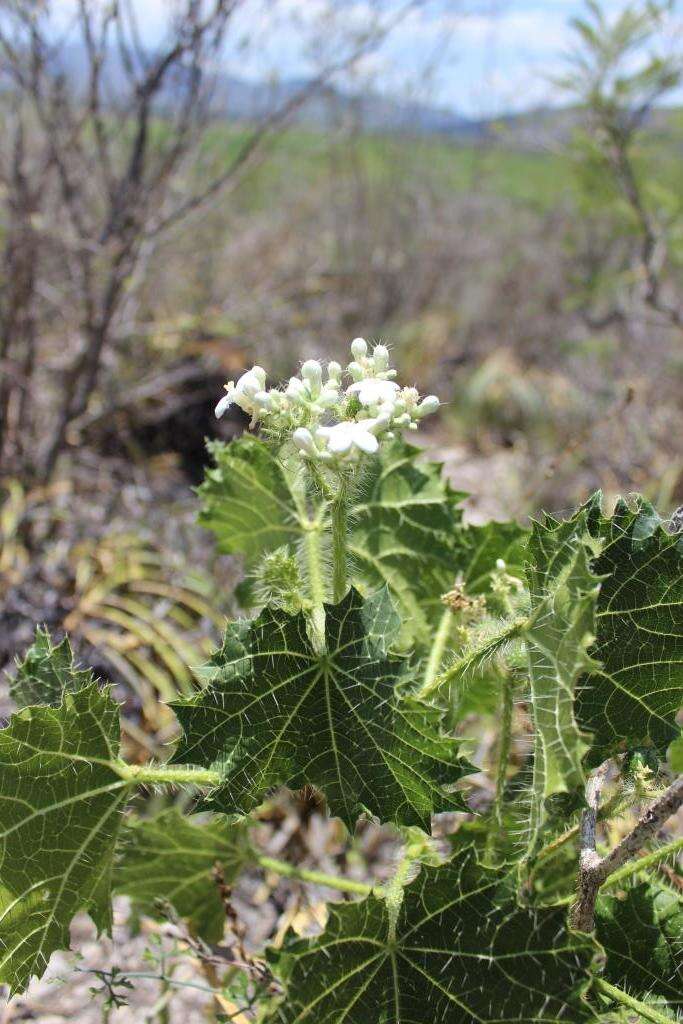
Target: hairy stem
point(281, 867)
point(496, 822)
point(474, 659)
point(593, 869)
point(436, 653)
point(339, 529)
point(646, 1011)
point(316, 583)
point(169, 774)
point(649, 860)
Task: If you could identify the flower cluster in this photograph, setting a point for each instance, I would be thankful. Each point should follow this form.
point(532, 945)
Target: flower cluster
point(335, 417)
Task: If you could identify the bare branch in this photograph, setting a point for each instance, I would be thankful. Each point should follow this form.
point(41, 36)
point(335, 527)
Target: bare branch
point(593, 869)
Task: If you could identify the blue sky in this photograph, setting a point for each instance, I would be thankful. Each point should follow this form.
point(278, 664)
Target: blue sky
point(477, 57)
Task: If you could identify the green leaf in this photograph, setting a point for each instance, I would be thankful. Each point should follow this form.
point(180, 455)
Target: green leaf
point(246, 499)
point(406, 534)
point(484, 546)
point(634, 698)
point(462, 951)
point(642, 932)
point(405, 522)
point(560, 629)
point(60, 810)
point(46, 672)
point(276, 712)
point(170, 858)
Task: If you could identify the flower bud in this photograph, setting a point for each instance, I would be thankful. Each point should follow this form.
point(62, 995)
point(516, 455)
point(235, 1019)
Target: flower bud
point(296, 389)
point(381, 357)
point(427, 406)
point(359, 347)
point(303, 439)
point(356, 371)
point(334, 371)
point(312, 372)
point(260, 375)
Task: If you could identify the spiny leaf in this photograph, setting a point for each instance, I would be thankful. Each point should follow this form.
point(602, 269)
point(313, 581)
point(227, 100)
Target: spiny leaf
point(560, 629)
point(276, 712)
point(246, 499)
point(634, 698)
point(463, 951)
point(46, 672)
point(171, 858)
point(406, 534)
point(642, 932)
point(405, 521)
point(60, 810)
point(484, 545)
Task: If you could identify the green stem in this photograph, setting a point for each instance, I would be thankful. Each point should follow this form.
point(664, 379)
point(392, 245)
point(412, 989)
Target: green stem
point(393, 894)
point(436, 654)
point(619, 996)
point(496, 823)
point(281, 867)
point(482, 654)
point(316, 582)
point(647, 861)
point(169, 774)
point(339, 530)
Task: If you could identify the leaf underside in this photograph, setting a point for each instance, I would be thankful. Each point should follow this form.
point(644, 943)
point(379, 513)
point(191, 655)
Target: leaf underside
point(276, 712)
point(169, 858)
point(463, 953)
point(60, 811)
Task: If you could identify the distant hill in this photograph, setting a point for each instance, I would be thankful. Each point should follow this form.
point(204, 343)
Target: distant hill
point(240, 99)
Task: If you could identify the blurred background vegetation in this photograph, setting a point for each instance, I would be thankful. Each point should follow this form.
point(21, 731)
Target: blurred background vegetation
point(166, 223)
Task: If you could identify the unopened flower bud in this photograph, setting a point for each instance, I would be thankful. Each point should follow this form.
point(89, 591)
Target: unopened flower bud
point(303, 439)
point(356, 371)
point(296, 389)
point(312, 372)
point(260, 375)
point(427, 406)
point(381, 357)
point(334, 371)
point(359, 347)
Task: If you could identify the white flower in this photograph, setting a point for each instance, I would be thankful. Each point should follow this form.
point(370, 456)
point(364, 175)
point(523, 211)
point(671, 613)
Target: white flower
point(373, 391)
point(343, 437)
point(244, 391)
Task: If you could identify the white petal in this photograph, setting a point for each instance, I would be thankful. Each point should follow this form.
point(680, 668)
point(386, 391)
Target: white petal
point(224, 404)
point(340, 440)
point(366, 441)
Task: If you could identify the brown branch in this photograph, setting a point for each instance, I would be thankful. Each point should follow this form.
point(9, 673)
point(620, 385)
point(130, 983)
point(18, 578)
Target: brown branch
point(593, 869)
